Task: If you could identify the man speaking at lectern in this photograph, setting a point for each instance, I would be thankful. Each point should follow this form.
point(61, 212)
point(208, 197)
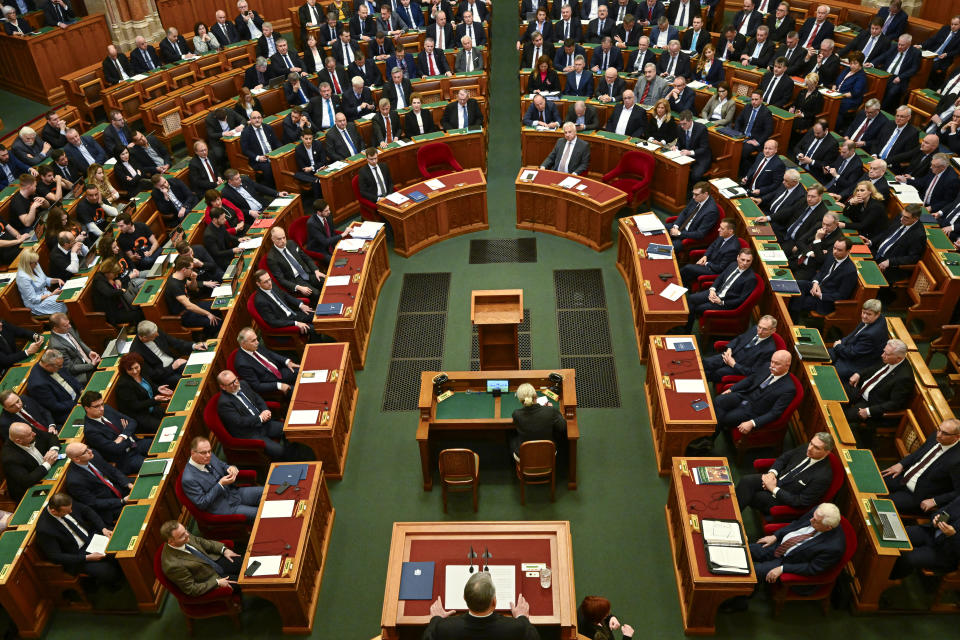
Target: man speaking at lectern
point(570, 154)
point(481, 622)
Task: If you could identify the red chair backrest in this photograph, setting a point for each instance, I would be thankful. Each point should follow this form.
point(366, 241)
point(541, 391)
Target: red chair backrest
point(436, 153)
point(838, 475)
point(797, 399)
point(777, 340)
point(638, 163)
point(232, 361)
point(212, 418)
point(161, 576)
point(298, 231)
point(184, 500)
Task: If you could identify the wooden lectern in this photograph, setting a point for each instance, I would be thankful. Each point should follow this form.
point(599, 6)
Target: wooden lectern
point(497, 313)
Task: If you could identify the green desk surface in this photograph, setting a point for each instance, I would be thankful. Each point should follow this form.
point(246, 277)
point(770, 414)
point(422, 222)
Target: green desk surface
point(748, 208)
point(953, 268)
point(95, 130)
point(10, 544)
point(151, 474)
point(815, 344)
point(110, 363)
point(886, 506)
point(127, 529)
point(100, 381)
point(863, 469)
point(807, 180)
point(610, 135)
point(194, 369)
point(73, 425)
point(466, 406)
point(782, 274)
point(178, 166)
point(938, 239)
point(9, 191)
point(30, 506)
point(192, 219)
point(184, 395)
point(870, 273)
point(68, 295)
point(508, 404)
point(148, 291)
point(55, 469)
point(827, 382)
point(279, 151)
point(772, 246)
point(159, 448)
point(930, 93)
point(428, 136)
point(14, 378)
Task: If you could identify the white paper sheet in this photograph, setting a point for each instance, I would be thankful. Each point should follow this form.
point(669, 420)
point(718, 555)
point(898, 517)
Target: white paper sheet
point(649, 146)
point(201, 357)
point(280, 202)
point(251, 243)
point(648, 222)
point(529, 174)
point(683, 159)
point(673, 292)
point(222, 290)
point(504, 581)
point(336, 166)
point(269, 565)
point(568, 182)
point(368, 230)
point(730, 558)
point(691, 385)
point(397, 198)
point(75, 283)
point(303, 416)
point(435, 184)
point(98, 544)
point(350, 244)
point(278, 508)
point(673, 342)
point(167, 434)
point(721, 532)
point(315, 375)
point(775, 255)
point(337, 281)
point(672, 155)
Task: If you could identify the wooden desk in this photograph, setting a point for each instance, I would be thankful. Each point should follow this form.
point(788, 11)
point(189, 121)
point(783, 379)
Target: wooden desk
point(674, 423)
point(334, 398)
point(448, 543)
point(459, 207)
point(32, 66)
point(605, 151)
point(700, 591)
point(583, 215)
point(473, 413)
point(307, 531)
point(368, 269)
point(652, 313)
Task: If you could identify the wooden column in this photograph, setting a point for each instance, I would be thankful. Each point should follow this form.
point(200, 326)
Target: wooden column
point(128, 19)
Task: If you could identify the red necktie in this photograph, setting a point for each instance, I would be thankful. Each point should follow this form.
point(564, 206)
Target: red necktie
point(389, 129)
point(646, 90)
point(433, 69)
point(813, 34)
point(863, 127)
point(206, 164)
point(111, 425)
point(759, 169)
point(36, 425)
point(104, 481)
point(272, 369)
point(915, 469)
point(792, 542)
point(336, 84)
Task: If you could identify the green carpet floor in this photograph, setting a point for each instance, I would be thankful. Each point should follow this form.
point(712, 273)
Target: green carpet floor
point(619, 534)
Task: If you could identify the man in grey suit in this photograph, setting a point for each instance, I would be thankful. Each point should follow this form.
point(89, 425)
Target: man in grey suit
point(468, 58)
point(211, 484)
point(569, 155)
point(651, 87)
point(79, 359)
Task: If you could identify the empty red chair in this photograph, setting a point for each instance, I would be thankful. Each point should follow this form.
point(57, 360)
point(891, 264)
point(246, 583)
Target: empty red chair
point(368, 210)
point(436, 159)
point(221, 601)
point(632, 175)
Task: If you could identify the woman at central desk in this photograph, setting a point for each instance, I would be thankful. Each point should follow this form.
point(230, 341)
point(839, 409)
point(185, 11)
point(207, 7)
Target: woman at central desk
point(535, 421)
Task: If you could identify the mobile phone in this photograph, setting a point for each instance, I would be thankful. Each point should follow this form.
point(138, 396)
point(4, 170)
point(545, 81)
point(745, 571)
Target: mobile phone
point(252, 568)
point(282, 488)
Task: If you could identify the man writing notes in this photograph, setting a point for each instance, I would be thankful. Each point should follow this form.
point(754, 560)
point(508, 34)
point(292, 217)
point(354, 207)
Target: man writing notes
point(570, 154)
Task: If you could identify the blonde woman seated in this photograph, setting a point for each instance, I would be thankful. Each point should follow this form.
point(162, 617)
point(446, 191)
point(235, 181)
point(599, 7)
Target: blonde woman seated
point(535, 421)
point(720, 108)
point(97, 175)
point(34, 286)
point(661, 127)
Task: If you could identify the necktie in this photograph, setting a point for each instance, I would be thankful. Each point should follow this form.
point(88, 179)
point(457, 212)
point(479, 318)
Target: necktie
point(31, 421)
point(766, 383)
point(769, 91)
point(886, 23)
point(933, 184)
point(889, 242)
point(896, 63)
point(753, 116)
point(431, 66)
point(889, 145)
point(868, 47)
point(176, 47)
point(606, 60)
point(346, 137)
point(754, 342)
point(410, 16)
point(753, 181)
point(295, 265)
point(729, 281)
point(813, 147)
point(440, 38)
point(314, 19)
point(146, 57)
point(123, 74)
point(76, 345)
point(210, 173)
point(386, 121)
point(112, 426)
point(813, 35)
point(269, 366)
point(463, 117)
point(286, 59)
point(951, 87)
point(303, 96)
point(64, 384)
point(109, 484)
point(336, 82)
point(863, 127)
point(693, 40)
point(565, 158)
point(873, 380)
point(792, 542)
point(401, 102)
point(566, 29)
point(830, 271)
point(204, 558)
point(800, 468)
point(795, 227)
point(646, 90)
point(330, 117)
point(263, 140)
point(347, 54)
point(693, 214)
point(381, 187)
point(620, 12)
point(246, 402)
point(673, 65)
point(951, 217)
point(78, 532)
point(683, 15)
point(600, 27)
point(915, 469)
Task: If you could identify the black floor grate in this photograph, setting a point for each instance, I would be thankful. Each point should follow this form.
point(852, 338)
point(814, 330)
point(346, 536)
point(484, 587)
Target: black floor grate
point(523, 340)
point(417, 338)
point(503, 250)
point(583, 333)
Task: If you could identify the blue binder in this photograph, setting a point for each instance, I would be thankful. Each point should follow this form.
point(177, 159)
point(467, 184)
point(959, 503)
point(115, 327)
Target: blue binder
point(416, 581)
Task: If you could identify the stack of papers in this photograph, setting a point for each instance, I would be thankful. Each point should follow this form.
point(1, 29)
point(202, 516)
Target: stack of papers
point(369, 116)
point(251, 243)
point(98, 544)
point(773, 255)
point(350, 244)
point(649, 146)
point(167, 434)
point(397, 198)
point(222, 290)
point(336, 166)
point(337, 281)
point(672, 292)
point(280, 202)
point(648, 223)
point(672, 155)
point(696, 84)
point(366, 231)
point(75, 283)
point(504, 581)
point(303, 416)
point(314, 375)
point(269, 565)
point(201, 357)
point(434, 184)
point(906, 194)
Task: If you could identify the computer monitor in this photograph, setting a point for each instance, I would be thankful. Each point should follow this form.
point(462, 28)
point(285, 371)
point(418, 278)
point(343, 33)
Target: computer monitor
point(498, 385)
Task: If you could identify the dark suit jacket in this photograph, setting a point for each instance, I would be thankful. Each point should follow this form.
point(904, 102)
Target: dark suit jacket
point(720, 254)
point(739, 42)
point(795, 61)
point(351, 103)
point(876, 132)
point(204, 489)
point(321, 239)
point(862, 346)
point(868, 219)
point(765, 56)
point(368, 184)
point(337, 149)
point(479, 13)
point(180, 191)
point(314, 158)
point(94, 149)
point(526, 56)
point(242, 29)
point(825, 154)
point(220, 244)
point(550, 114)
point(492, 627)
point(754, 19)
point(619, 86)
point(682, 68)
point(168, 53)
point(278, 66)
point(142, 161)
point(944, 191)
point(450, 119)
point(897, 26)
point(250, 144)
point(263, 49)
point(934, 42)
point(370, 73)
point(324, 75)
point(879, 47)
point(293, 98)
point(892, 393)
point(809, 557)
point(584, 89)
point(779, 34)
point(909, 66)
point(36, 410)
point(369, 28)
point(53, 16)
point(386, 49)
point(139, 64)
point(24, 26)
point(110, 73)
point(704, 222)
point(825, 31)
point(380, 128)
point(770, 179)
point(20, 468)
point(261, 193)
point(170, 345)
point(251, 78)
point(410, 127)
point(42, 388)
point(282, 271)
point(908, 249)
point(750, 357)
point(698, 143)
point(236, 418)
point(58, 544)
point(315, 109)
point(258, 376)
point(126, 454)
point(802, 489)
point(225, 33)
point(762, 124)
point(940, 480)
point(84, 487)
point(648, 57)
point(479, 34)
point(10, 355)
point(272, 314)
point(782, 93)
point(828, 70)
point(390, 93)
point(197, 174)
point(579, 157)
point(409, 66)
point(686, 40)
point(739, 290)
point(766, 405)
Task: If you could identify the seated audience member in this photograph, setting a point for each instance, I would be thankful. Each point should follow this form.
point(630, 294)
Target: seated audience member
point(29, 149)
point(902, 244)
point(94, 212)
point(236, 223)
point(68, 256)
point(149, 155)
point(64, 531)
point(265, 371)
point(755, 122)
point(534, 421)
point(697, 219)
point(249, 196)
point(765, 175)
point(902, 61)
point(583, 115)
point(26, 458)
point(10, 336)
point(541, 113)
point(570, 154)
point(728, 291)
point(136, 240)
point(257, 76)
point(758, 399)
point(928, 478)
point(203, 262)
point(807, 104)
point(197, 565)
point(293, 269)
point(25, 207)
point(23, 408)
point(866, 211)
point(356, 100)
point(814, 247)
point(709, 70)
point(469, 59)
point(294, 123)
point(194, 314)
point(940, 185)
point(417, 121)
point(629, 119)
point(579, 81)
point(130, 178)
point(717, 257)
point(481, 619)
point(52, 386)
point(78, 359)
point(11, 168)
point(111, 434)
point(210, 484)
point(776, 86)
point(798, 478)
point(218, 242)
point(861, 348)
point(836, 280)
point(298, 93)
point(595, 622)
point(256, 142)
point(342, 140)
point(140, 396)
point(35, 286)
point(386, 125)
point(744, 354)
point(173, 198)
point(13, 24)
point(95, 482)
point(310, 158)
point(692, 141)
point(111, 297)
point(322, 235)
point(936, 546)
point(463, 113)
point(877, 390)
point(174, 47)
point(244, 414)
point(164, 356)
point(374, 180)
point(280, 309)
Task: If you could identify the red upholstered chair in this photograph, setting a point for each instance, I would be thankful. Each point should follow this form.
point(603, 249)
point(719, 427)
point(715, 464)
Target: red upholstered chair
point(731, 322)
point(238, 451)
point(213, 525)
point(696, 254)
point(785, 589)
point(436, 159)
point(690, 243)
point(721, 345)
point(770, 435)
point(222, 601)
point(632, 175)
point(298, 233)
point(783, 513)
point(232, 362)
point(275, 337)
point(368, 210)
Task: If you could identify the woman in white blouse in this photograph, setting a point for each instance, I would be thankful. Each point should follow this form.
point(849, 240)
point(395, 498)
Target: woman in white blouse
point(720, 108)
point(203, 40)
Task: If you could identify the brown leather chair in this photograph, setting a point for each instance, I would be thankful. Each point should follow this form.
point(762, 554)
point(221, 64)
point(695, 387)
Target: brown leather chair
point(537, 464)
point(459, 471)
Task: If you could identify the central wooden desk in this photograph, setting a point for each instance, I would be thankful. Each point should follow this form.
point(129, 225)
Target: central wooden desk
point(701, 591)
point(581, 214)
point(473, 413)
point(459, 207)
point(510, 543)
point(307, 532)
point(674, 423)
point(368, 270)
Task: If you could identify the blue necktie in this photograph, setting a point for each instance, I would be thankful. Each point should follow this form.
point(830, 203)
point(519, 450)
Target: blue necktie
point(205, 558)
point(246, 402)
point(946, 40)
point(795, 227)
point(346, 135)
point(753, 116)
point(889, 145)
point(882, 251)
point(123, 138)
point(329, 110)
